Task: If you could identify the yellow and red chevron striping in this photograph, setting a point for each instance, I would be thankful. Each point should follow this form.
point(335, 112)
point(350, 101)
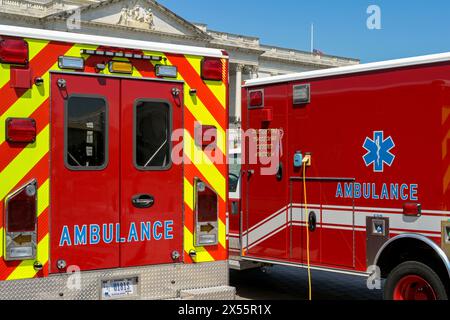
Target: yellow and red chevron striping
point(40, 64)
point(145, 68)
point(194, 80)
point(221, 166)
point(211, 105)
point(41, 115)
point(190, 174)
point(40, 172)
point(7, 268)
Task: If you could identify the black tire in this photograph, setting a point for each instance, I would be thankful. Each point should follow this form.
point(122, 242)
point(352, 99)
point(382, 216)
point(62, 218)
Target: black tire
point(417, 269)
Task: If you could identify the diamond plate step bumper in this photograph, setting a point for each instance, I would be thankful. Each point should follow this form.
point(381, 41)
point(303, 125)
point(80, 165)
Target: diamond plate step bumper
point(213, 293)
point(155, 282)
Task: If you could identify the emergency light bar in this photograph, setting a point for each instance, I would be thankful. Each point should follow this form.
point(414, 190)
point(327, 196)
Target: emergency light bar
point(120, 54)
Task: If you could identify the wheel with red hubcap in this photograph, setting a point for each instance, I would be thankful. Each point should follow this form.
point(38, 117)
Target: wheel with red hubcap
point(414, 281)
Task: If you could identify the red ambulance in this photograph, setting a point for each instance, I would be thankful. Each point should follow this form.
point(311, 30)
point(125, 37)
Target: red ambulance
point(362, 185)
point(106, 190)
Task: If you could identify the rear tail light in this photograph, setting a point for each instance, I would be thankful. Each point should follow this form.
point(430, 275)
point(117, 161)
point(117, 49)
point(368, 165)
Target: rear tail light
point(14, 51)
point(20, 130)
point(256, 98)
point(21, 222)
point(206, 214)
point(212, 69)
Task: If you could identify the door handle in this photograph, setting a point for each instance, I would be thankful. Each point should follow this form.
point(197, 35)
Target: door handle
point(143, 201)
point(280, 172)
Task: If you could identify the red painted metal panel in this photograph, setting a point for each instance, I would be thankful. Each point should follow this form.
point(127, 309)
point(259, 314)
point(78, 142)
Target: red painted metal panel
point(83, 198)
point(265, 194)
point(409, 105)
point(165, 186)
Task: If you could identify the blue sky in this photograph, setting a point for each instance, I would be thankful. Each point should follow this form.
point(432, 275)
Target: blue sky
point(409, 28)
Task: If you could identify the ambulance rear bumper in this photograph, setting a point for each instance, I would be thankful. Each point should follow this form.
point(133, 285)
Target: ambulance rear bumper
point(179, 281)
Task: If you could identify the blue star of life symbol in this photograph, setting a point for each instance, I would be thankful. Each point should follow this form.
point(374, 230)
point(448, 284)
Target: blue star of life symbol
point(379, 151)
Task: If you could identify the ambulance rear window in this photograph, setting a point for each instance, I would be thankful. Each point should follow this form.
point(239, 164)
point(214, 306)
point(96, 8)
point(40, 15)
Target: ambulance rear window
point(152, 135)
point(86, 133)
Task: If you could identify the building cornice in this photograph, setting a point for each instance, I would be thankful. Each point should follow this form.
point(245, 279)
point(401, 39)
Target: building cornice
point(280, 51)
point(131, 29)
point(312, 61)
point(199, 34)
point(16, 16)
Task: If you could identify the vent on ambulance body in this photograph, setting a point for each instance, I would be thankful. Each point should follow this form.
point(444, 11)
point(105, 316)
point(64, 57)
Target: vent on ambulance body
point(14, 51)
point(21, 223)
point(206, 214)
point(212, 69)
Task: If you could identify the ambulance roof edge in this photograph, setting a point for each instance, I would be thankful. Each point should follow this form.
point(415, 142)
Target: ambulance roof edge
point(398, 63)
point(79, 38)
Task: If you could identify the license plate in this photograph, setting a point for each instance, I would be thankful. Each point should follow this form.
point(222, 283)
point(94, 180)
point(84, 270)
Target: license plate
point(119, 288)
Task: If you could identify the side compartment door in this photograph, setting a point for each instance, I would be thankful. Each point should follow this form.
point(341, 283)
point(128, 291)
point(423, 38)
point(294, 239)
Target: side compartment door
point(265, 178)
point(84, 172)
point(151, 183)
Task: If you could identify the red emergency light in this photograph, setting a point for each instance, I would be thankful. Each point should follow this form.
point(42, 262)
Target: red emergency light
point(256, 99)
point(14, 51)
point(20, 130)
point(412, 209)
point(212, 69)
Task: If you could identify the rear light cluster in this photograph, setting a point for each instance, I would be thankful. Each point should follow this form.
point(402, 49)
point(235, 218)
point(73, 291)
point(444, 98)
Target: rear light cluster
point(14, 51)
point(212, 69)
point(20, 130)
point(21, 223)
point(206, 214)
point(256, 99)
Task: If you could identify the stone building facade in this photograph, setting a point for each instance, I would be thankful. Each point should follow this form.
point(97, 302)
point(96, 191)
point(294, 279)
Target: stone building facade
point(151, 21)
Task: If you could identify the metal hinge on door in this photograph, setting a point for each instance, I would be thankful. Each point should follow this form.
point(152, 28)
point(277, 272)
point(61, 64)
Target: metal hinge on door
point(176, 92)
point(61, 83)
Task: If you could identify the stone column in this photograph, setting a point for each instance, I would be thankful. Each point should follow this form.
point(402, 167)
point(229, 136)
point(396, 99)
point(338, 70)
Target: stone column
point(238, 107)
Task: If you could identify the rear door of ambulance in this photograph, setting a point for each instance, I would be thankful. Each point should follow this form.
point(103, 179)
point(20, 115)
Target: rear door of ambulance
point(116, 197)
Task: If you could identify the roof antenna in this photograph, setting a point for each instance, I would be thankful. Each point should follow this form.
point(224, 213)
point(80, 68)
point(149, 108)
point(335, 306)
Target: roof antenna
point(312, 37)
